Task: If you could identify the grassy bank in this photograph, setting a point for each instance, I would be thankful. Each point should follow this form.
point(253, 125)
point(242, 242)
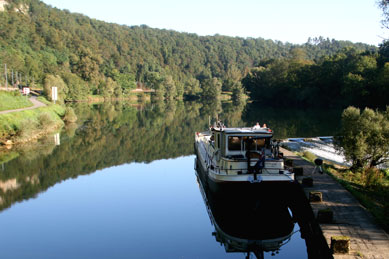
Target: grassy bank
point(13, 100)
point(28, 125)
point(370, 188)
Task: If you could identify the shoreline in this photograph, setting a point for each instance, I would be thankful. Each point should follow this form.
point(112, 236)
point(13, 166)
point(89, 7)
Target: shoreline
point(350, 218)
point(29, 125)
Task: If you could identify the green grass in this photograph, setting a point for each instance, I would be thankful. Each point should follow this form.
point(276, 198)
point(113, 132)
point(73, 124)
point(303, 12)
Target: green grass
point(375, 198)
point(20, 125)
point(13, 100)
point(370, 189)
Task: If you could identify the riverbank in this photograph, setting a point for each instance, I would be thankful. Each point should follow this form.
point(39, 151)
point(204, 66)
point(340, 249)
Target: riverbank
point(12, 99)
point(29, 125)
point(350, 218)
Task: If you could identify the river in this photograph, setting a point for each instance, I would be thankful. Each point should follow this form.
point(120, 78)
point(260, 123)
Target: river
point(121, 183)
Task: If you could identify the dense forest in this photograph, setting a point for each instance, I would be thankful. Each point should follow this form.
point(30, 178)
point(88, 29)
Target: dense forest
point(350, 77)
point(43, 46)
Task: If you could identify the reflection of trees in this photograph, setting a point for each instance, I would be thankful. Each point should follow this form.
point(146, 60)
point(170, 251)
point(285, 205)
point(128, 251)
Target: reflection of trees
point(115, 133)
point(109, 134)
point(294, 122)
point(211, 108)
point(232, 114)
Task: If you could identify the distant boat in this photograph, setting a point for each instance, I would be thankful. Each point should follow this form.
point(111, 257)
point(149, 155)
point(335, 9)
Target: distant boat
point(240, 155)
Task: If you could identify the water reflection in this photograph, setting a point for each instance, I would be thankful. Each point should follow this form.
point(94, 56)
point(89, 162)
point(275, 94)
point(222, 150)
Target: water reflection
point(111, 134)
point(247, 225)
point(292, 122)
point(259, 219)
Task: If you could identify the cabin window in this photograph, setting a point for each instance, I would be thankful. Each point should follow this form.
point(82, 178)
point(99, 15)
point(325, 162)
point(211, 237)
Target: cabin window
point(234, 143)
point(260, 143)
point(256, 143)
point(218, 141)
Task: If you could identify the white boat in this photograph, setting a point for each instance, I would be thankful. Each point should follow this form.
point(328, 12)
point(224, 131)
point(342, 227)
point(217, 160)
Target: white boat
point(248, 155)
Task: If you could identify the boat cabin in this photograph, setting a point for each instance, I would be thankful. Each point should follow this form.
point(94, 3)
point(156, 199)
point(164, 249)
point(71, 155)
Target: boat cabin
point(236, 143)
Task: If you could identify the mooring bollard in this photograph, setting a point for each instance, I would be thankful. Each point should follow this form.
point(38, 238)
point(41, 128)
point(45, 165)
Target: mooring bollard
point(325, 215)
point(340, 244)
point(315, 196)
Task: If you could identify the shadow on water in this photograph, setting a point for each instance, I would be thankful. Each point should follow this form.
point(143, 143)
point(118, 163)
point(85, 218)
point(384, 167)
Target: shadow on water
point(260, 218)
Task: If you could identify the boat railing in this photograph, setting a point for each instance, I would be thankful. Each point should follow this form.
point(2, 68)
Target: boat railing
point(245, 171)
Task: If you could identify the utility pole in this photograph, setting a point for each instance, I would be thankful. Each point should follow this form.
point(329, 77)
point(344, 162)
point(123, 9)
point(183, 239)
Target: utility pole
point(13, 78)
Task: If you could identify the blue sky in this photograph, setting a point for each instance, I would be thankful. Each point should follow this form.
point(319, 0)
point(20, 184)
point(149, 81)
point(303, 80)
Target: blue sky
point(285, 20)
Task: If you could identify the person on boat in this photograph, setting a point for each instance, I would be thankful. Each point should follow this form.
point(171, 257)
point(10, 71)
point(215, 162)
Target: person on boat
point(260, 163)
point(257, 126)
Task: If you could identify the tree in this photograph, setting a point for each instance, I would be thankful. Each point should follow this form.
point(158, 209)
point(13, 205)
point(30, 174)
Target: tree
point(237, 93)
point(384, 5)
point(364, 137)
point(56, 81)
point(212, 89)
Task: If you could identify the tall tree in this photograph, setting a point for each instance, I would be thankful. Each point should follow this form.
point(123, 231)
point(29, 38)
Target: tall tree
point(364, 137)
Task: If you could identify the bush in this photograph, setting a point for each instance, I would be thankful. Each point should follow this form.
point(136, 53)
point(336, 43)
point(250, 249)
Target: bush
point(372, 177)
point(26, 128)
point(308, 155)
point(44, 119)
point(70, 116)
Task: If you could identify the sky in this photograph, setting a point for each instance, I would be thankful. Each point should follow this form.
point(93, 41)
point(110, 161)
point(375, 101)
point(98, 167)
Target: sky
point(291, 21)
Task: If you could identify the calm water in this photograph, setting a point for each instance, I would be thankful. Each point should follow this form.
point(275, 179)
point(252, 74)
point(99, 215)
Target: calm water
point(122, 184)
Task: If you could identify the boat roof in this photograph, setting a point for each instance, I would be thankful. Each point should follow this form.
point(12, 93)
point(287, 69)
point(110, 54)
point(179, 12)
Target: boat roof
point(245, 131)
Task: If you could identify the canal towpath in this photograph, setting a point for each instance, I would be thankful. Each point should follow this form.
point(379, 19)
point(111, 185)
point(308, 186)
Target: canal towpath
point(350, 218)
point(35, 102)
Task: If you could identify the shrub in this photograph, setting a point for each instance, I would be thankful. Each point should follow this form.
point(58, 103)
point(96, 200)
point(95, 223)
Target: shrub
point(26, 128)
point(308, 155)
point(372, 177)
point(44, 119)
point(70, 116)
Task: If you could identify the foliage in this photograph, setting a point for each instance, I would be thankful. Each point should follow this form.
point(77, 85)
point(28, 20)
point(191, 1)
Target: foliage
point(370, 188)
point(70, 115)
point(372, 177)
point(44, 120)
point(348, 78)
point(310, 156)
point(111, 134)
point(62, 88)
point(384, 5)
point(13, 100)
point(46, 43)
point(364, 137)
point(21, 125)
point(211, 89)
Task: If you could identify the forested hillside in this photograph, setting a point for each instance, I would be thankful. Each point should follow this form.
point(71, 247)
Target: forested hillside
point(42, 45)
point(349, 77)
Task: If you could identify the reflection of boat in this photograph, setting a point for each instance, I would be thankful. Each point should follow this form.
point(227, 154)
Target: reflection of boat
point(248, 155)
point(253, 225)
